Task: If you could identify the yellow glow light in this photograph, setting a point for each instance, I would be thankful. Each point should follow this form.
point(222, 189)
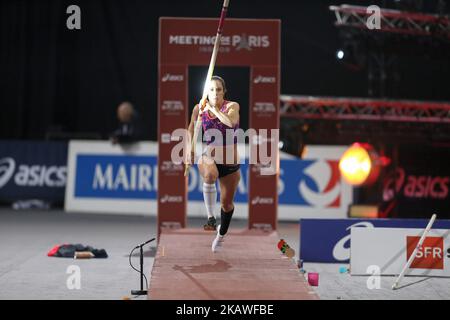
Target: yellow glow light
point(356, 165)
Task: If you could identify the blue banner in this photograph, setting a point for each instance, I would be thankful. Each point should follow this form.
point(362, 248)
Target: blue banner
point(328, 240)
point(133, 177)
point(116, 176)
point(32, 170)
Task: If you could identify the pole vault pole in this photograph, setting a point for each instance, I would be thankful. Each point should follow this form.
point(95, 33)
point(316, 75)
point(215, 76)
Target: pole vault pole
point(208, 80)
point(411, 258)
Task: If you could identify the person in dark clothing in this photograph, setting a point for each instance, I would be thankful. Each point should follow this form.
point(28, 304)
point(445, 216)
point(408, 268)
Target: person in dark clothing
point(128, 130)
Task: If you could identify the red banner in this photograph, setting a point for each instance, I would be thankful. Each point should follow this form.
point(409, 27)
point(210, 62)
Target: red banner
point(245, 42)
point(264, 118)
point(172, 185)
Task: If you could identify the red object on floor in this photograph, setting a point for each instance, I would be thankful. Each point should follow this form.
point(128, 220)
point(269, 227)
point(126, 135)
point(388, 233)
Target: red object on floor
point(313, 279)
point(53, 251)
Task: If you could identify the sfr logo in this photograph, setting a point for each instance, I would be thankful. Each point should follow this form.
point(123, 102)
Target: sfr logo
point(429, 256)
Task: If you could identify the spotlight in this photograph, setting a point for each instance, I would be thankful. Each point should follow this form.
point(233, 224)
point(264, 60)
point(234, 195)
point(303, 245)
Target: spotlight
point(360, 164)
point(340, 54)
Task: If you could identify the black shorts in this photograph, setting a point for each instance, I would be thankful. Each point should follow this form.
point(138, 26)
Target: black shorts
point(225, 170)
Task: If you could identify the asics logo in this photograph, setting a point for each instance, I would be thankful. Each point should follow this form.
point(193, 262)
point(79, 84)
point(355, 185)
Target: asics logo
point(341, 252)
point(7, 168)
point(171, 199)
point(261, 79)
point(172, 77)
point(260, 200)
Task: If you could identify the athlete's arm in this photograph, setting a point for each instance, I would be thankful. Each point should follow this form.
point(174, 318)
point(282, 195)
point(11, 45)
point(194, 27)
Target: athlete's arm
point(230, 118)
point(194, 118)
point(191, 127)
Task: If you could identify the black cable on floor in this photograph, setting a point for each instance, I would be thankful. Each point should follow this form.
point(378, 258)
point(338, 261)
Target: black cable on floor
point(131, 265)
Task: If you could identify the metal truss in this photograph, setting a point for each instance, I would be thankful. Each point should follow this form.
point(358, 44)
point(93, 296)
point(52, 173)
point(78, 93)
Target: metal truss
point(393, 21)
point(306, 107)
